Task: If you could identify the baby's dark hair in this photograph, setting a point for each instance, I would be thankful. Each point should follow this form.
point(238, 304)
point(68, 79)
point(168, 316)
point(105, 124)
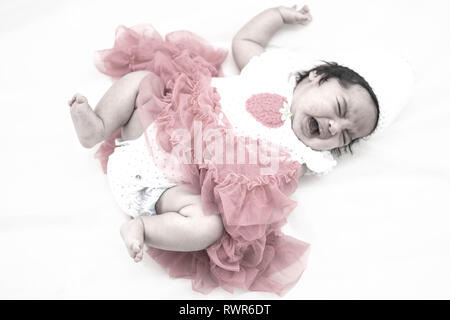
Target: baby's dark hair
point(346, 77)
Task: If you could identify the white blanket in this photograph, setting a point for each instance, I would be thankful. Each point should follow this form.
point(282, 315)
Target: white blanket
point(378, 224)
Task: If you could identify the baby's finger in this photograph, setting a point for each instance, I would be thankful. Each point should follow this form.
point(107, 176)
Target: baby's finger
point(303, 21)
point(301, 18)
point(71, 101)
point(80, 98)
point(304, 9)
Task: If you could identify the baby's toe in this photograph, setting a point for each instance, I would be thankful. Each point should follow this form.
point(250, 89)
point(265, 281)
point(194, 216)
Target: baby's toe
point(135, 247)
point(138, 257)
point(71, 101)
point(139, 253)
point(80, 99)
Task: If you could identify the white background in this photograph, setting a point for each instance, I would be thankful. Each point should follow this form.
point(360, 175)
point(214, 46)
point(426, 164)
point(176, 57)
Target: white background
point(378, 224)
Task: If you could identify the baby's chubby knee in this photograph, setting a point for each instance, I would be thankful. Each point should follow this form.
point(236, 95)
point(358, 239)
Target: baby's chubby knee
point(210, 230)
point(201, 229)
point(150, 86)
point(214, 229)
point(205, 229)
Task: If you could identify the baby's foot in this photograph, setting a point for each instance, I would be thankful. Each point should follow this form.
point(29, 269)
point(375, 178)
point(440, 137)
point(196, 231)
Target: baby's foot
point(88, 125)
point(133, 235)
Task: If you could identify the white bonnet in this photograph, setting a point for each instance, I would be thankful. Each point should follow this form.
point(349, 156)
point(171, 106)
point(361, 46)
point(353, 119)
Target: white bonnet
point(389, 75)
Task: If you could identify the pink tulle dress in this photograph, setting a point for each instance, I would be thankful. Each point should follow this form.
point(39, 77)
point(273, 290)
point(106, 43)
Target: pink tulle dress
point(177, 114)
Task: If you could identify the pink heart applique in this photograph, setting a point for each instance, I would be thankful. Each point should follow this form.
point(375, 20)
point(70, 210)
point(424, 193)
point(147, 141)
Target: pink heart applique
point(265, 108)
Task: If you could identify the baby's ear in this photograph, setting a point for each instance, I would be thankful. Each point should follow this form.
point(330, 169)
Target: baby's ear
point(313, 76)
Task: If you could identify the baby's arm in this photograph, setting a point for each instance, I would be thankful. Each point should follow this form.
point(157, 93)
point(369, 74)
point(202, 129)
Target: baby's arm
point(255, 35)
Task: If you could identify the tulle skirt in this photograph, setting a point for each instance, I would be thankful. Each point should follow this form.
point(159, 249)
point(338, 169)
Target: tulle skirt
point(253, 254)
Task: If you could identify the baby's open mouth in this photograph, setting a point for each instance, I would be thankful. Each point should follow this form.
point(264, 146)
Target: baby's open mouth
point(313, 127)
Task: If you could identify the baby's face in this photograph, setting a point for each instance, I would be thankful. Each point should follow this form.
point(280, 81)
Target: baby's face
point(328, 115)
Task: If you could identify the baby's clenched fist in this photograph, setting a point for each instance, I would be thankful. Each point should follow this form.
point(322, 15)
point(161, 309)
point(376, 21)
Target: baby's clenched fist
point(291, 15)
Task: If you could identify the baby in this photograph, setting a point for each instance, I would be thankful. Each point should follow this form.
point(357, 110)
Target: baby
point(332, 107)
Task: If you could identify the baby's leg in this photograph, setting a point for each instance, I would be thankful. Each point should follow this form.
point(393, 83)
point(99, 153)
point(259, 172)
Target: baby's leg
point(180, 225)
point(112, 112)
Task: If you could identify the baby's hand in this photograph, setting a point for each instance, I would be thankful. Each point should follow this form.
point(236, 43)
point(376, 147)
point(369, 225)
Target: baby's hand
point(291, 15)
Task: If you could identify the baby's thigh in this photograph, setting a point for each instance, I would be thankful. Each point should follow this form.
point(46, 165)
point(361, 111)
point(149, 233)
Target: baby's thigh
point(176, 198)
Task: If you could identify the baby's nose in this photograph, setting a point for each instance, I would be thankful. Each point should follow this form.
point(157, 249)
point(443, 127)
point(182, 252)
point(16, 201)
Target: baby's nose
point(332, 127)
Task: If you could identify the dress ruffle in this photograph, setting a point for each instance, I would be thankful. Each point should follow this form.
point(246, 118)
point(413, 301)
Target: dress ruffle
point(253, 253)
